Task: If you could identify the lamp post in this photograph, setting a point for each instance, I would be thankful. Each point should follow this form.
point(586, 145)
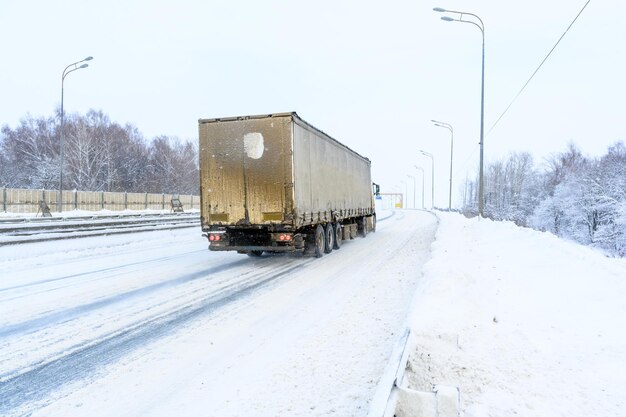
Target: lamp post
point(414, 188)
point(432, 177)
point(398, 191)
point(422, 171)
point(480, 26)
point(406, 189)
point(66, 71)
point(449, 127)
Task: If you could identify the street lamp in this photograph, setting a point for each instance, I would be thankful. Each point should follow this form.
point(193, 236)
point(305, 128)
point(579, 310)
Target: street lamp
point(398, 191)
point(66, 71)
point(449, 127)
point(422, 171)
point(414, 188)
point(432, 177)
point(480, 26)
point(406, 188)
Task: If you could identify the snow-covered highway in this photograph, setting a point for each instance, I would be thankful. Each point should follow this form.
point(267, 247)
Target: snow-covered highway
point(155, 324)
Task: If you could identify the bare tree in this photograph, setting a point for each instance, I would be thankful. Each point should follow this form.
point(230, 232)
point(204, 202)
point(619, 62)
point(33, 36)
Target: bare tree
point(512, 189)
point(173, 166)
point(30, 153)
point(99, 155)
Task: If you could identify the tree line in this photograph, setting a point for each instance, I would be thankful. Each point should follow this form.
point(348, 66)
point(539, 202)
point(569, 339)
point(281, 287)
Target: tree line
point(571, 195)
point(98, 155)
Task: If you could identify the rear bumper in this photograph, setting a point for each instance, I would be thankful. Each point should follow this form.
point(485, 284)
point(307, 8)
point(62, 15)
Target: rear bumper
point(251, 248)
point(246, 240)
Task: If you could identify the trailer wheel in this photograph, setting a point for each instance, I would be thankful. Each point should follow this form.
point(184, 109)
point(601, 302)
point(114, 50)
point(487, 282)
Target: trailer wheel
point(329, 232)
point(338, 235)
point(374, 223)
point(320, 241)
point(255, 253)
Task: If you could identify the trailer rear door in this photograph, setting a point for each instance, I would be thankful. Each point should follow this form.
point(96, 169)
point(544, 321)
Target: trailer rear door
point(246, 170)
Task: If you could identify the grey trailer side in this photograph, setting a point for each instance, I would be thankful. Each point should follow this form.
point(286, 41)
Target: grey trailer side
point(331, 181)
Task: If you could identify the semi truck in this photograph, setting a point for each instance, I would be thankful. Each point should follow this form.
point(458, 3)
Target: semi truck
point(274, 183)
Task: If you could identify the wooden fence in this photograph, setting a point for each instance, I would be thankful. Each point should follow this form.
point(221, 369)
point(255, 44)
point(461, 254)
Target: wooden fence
point(14, 200)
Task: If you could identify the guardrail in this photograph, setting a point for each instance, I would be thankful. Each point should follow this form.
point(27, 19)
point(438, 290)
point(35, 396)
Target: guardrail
point(384, 401)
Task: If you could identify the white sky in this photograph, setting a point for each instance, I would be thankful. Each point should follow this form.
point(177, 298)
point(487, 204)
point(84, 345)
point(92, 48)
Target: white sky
point(370, 74)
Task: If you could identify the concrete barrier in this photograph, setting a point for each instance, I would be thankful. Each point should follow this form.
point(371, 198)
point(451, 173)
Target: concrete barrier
point(15, 200)
point(442, 401)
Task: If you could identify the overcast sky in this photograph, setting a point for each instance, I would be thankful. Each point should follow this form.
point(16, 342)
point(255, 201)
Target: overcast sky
point(370, 74)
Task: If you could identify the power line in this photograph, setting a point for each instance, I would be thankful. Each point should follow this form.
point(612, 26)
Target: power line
point(470, 156)
point(540, 65)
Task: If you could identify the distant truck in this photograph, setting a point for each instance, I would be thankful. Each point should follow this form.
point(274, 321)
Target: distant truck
point(274, 183)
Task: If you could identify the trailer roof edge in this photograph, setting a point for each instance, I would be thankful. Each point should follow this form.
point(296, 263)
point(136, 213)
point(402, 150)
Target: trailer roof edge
point(292, 114)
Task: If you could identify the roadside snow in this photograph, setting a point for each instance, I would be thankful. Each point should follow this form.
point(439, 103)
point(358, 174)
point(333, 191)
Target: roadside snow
point(522, 322)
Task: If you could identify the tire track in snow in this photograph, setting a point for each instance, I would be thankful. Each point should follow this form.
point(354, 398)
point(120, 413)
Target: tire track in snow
point(26, 392)
point(82, 274)
point(78, 311)
point(21, 394)
point(58, 336)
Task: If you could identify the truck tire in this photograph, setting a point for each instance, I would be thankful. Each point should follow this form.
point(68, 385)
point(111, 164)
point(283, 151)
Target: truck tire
point(255, 253)
point(338, 235)
point(329, 237)
point(320, 242)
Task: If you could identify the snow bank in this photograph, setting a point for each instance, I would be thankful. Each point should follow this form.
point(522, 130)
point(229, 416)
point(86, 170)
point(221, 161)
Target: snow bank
point(521, 321)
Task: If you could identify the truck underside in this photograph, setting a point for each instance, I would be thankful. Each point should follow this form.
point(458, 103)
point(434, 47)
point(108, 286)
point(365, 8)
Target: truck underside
point(312, 240)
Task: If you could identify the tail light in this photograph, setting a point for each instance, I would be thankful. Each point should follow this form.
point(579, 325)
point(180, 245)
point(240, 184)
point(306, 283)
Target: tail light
point(283, 237)
point(214, 237)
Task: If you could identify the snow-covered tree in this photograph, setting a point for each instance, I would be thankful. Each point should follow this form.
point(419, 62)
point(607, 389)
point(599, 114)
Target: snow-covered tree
point(512, 189)
point(4, 164)
point(99, 155)
point(30, 153)
point(575, 197)
point(173, 166)
point(609, 189)
point(586, 199)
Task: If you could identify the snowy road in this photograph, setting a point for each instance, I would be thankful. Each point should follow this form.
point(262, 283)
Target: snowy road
point(155, 324)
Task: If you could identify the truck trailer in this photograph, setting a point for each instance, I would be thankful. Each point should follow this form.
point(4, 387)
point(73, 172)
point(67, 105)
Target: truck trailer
point(275, 183)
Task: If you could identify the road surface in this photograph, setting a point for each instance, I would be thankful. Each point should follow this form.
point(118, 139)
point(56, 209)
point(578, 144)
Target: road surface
point(153, 324)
